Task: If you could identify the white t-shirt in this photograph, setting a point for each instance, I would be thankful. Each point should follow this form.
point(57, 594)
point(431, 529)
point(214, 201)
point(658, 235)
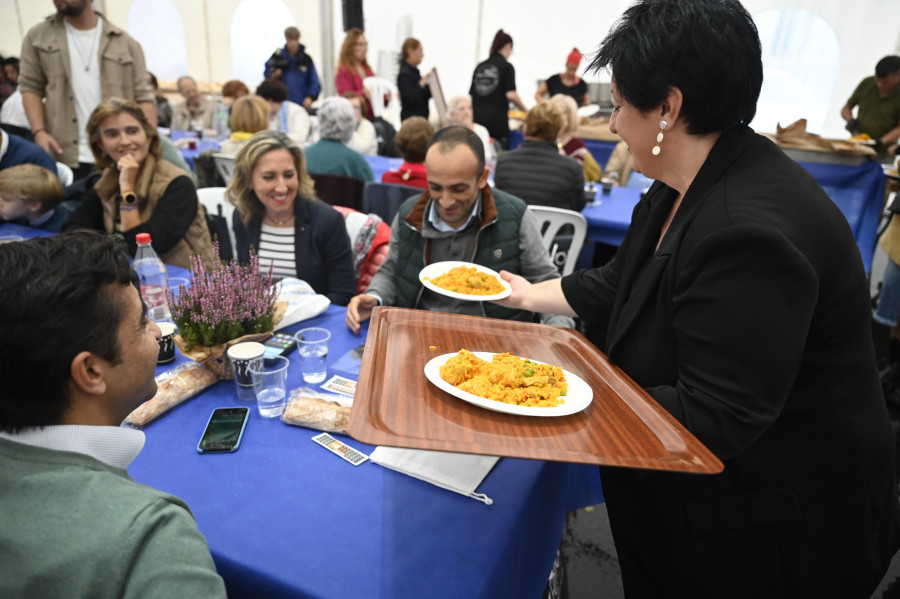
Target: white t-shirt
point(84, 64)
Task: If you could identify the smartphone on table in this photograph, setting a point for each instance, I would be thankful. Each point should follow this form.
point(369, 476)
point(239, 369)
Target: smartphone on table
point(279, 344)
point(224, 430)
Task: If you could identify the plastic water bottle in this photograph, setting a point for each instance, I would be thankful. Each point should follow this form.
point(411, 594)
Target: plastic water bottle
point(153, 278)
point(221, 119)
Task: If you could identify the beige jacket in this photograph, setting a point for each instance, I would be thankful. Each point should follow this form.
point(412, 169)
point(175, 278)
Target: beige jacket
point(206, 114)
point(153, 179)
point(44, 70)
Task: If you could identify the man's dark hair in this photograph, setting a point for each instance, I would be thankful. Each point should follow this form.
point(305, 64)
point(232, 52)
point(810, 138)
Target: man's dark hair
point(272, 89)
point(709, 49)
point(55, 302)
point(450, 137)
point(889, 65)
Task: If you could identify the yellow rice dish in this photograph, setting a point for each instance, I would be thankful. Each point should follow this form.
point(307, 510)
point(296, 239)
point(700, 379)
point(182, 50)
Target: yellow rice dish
point(468, 280)
point(508, 379)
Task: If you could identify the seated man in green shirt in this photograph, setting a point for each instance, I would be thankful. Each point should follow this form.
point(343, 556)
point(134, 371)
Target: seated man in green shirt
point(79, 355)
point(878, 99)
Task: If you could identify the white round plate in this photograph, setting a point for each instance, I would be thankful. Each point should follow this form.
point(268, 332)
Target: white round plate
point(435, 270)
point(578, 398)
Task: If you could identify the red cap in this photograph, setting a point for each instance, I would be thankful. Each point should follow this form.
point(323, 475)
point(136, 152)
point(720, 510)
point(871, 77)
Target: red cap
point(574, 57)
point(142, 237)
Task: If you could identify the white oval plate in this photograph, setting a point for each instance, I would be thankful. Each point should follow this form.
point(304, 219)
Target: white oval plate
point(438, 268)
point(578, 398)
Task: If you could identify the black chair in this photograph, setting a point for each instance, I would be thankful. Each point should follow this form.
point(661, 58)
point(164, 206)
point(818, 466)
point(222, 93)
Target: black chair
point(338, 190)
point(384, 199)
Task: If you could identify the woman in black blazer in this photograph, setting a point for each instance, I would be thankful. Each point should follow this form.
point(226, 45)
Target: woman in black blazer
point(738, 300)
point(278, 218)
point(412, 86)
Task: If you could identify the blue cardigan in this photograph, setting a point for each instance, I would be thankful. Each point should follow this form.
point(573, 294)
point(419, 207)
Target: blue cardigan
point(321, 248)
point(22, 151)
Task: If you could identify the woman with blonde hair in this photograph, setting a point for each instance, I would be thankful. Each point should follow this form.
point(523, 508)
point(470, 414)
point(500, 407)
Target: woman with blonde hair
point(279, 217)
point(353, 67)
point(249, 115)
point(138, 192)
point(571, 146)
point(459, 112)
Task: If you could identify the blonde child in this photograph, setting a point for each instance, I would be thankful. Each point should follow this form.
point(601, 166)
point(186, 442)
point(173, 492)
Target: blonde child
point(31, 195)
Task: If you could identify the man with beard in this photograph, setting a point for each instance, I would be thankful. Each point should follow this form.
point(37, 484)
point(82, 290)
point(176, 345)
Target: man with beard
point(459, 218)
point(94, 60)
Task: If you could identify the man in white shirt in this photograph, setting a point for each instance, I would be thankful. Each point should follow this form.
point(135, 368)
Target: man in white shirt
point(79, 355)
point(96, 60)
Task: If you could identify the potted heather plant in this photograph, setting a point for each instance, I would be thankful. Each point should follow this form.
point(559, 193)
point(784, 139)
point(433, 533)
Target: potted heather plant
point(227, 303)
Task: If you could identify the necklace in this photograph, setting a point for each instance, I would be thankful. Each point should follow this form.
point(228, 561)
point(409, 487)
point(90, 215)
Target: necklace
point(280, 223)
point(85, 60)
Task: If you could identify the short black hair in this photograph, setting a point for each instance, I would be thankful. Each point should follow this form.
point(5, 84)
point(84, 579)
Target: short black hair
point(272, 89)
point(450, 137)
point(889, 65)
point(56, 301)
point(709, 49)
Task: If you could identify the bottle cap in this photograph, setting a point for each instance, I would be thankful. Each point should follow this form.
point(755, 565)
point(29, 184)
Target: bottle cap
point(142, 237)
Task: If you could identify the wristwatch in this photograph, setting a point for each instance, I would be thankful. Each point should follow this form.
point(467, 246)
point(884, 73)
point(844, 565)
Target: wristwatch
point(129, 202)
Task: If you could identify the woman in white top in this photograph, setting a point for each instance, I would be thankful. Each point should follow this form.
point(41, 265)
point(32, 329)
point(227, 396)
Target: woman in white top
point(365, 139)
point(284, 115)
point(459, 112)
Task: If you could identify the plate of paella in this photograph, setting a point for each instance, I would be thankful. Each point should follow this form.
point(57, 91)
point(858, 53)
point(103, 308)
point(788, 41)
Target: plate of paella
point(505, 383)
point(465, 281)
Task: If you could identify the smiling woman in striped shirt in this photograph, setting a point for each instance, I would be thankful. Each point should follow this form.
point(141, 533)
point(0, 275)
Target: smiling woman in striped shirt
point(279, 218)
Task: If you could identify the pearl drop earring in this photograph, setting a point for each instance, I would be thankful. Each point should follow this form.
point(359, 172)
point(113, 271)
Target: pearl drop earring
point(659, 137)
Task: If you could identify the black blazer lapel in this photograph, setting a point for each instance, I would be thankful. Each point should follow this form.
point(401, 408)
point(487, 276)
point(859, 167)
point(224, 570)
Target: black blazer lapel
point(634, 291)
point(302, 239)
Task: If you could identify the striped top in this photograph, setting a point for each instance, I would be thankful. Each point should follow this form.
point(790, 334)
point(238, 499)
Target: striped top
point(276, 246)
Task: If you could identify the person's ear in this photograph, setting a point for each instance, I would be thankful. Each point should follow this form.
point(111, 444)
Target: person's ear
point(670, 109)
point(89, 373)
point(483, 179)
point(35, 207)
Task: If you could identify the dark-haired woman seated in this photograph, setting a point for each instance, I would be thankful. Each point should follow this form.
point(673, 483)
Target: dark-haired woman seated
point(739, 302)
point(279, 218)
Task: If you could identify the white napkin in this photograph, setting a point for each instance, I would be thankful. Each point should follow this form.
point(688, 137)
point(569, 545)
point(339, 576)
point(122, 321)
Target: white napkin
point(303, 302)
point(458, 472)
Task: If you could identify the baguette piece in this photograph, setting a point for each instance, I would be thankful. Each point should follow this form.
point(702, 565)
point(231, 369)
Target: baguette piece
point(175, 386)
point(316, 412)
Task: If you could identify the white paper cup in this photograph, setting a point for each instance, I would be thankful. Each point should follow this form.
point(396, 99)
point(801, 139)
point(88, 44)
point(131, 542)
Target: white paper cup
point(242, 356)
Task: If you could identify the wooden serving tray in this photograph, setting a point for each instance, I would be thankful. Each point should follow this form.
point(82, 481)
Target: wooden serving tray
point(396, 405)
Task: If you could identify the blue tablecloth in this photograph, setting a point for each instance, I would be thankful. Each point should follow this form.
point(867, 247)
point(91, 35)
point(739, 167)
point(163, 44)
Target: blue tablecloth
point(857, 190)
point(609, 215)
point(600, 150)
point(286, 518)
point(382, 164)
point(22, 231)
point(206, 143)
